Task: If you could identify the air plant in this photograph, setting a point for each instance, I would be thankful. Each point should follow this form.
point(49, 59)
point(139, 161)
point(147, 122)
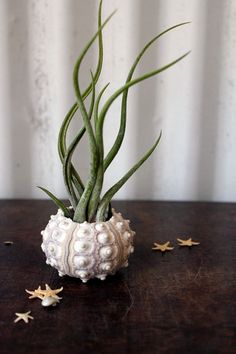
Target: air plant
point(87, 201)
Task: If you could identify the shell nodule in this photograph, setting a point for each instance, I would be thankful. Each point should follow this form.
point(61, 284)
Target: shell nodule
point(87, 250)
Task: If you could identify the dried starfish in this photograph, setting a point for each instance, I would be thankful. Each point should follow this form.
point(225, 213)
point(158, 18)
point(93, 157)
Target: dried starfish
point(162, 247)
point(188, 243)
point(35, 293)
point(23, 316)
point(48, 292)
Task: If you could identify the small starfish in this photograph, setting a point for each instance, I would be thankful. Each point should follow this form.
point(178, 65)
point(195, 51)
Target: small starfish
point(23, 316)
point(188, 243)
point(48, 292)
point(163, 248)
point(35, 294)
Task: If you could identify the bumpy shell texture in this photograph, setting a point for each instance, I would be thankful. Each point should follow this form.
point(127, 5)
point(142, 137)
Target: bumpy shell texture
point(87, 250)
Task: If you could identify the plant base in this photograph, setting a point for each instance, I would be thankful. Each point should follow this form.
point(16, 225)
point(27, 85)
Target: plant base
point(87, 250)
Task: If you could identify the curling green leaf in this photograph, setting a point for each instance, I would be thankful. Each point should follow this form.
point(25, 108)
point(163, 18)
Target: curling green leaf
point(57, 201)
point(62, 151)
point(94, 200)
point(97, 104)
point(100, 53)
point(95, 196)
point(80, 212)
point(110, 193)
point(99, 130)
point(109, 102)
point(120, 136)
point(67, 166)
point(65, 125)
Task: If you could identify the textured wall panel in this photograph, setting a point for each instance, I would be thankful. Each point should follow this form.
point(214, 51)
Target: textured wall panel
point(194, 103)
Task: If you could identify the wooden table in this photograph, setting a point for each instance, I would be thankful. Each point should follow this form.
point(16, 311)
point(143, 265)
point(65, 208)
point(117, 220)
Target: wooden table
point(179, 302)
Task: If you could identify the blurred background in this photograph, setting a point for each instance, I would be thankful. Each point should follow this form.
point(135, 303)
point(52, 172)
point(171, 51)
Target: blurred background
point(194, 102)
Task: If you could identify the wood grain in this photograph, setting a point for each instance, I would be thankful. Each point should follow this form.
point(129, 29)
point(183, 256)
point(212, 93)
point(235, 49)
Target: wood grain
point(180, 302)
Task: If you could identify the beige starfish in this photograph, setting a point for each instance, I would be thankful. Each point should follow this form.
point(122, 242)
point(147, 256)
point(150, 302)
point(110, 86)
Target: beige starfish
point(48, 292)
point(188, 243)
point(162, 247)
point(35, 293)
point(23, 316)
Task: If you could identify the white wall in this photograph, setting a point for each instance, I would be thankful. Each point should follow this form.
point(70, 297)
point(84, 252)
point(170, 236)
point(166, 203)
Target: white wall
point(194, 103)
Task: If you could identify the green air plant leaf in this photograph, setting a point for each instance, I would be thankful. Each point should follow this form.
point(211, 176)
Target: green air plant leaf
point(95, 196)
point(65, 125)
point(101, 118)
point(120, 136)
point(67, 166)
point(62, 152)
point(80, 211)
point(96, 108)
point(58, 203)
point(110, 193)
point(62, 149)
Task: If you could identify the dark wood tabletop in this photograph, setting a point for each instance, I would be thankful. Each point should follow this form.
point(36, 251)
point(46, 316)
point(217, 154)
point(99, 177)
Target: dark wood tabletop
point(182, 301)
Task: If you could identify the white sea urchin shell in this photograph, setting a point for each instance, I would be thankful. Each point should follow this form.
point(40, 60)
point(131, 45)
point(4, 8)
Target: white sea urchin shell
point(87, 250)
